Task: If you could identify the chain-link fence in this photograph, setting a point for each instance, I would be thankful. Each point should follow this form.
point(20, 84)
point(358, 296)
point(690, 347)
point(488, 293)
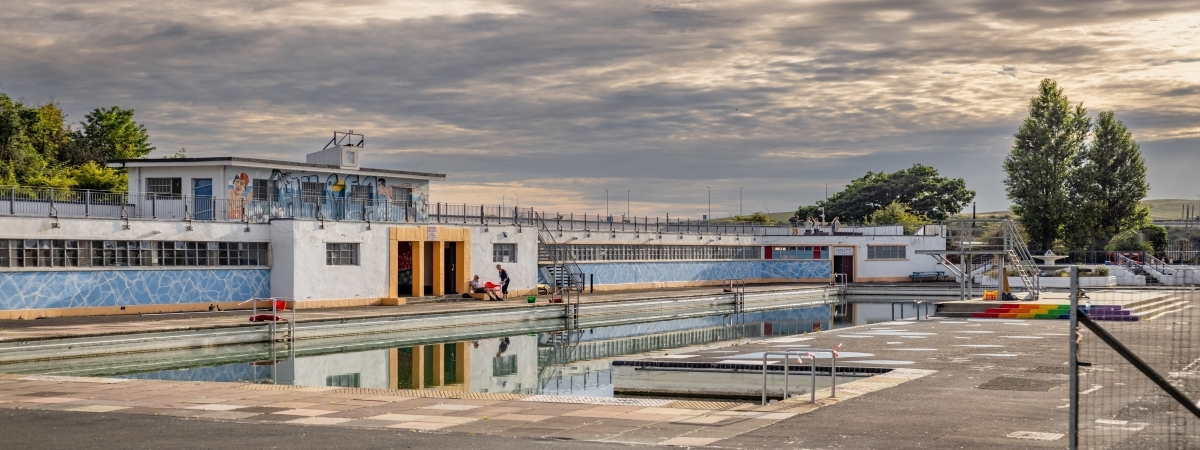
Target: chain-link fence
point(1138, 370)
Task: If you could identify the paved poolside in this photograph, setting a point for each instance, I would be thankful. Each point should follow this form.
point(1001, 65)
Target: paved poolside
point(946, 395)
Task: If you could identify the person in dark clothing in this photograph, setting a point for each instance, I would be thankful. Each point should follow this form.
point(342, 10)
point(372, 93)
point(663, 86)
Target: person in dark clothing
point(503, 281)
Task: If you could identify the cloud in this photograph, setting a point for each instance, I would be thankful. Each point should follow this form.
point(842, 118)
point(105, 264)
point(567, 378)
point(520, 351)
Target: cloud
point(556, 102)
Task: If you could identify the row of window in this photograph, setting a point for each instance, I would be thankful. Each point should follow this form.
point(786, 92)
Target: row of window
point(800, 252)
point(887, 252)
point(263, 190)
point(637, 252)
point(76, 253)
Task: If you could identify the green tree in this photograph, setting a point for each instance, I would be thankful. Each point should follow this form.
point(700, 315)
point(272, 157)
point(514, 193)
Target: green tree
point(919, 187)
point(896, 214)
point(91, 175)
point(1129, 241)
point(1106, 186)
point(1040, 163)
point(113, 134)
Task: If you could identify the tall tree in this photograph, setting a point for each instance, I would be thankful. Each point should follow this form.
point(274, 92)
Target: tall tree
point(1037, 168)
point(1106, 186)
point(918, 188)
point(113, 134)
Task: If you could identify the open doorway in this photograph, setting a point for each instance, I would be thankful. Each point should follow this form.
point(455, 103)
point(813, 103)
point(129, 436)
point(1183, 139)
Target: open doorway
point(844, 263)
point(450, 269)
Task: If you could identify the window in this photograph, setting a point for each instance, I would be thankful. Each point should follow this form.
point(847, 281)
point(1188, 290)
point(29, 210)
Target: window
point(346, 380)
point(886, 252)
point(401, 194)
point(343, 254)
point(68, 253)
point(360, 195)
point(504, 253)
point(263, 189)
point(164, 187)
point(800, 252)
point(503, 366)
point(311, 192)
point(640, 252)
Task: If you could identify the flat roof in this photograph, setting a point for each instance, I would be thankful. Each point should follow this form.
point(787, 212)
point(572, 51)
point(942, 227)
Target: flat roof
point(231, 160)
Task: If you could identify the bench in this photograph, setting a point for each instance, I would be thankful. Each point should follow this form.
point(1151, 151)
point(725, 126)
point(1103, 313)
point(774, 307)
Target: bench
point(921, 276)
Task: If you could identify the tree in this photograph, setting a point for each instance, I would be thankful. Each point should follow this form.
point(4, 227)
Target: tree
point(756, 217)
point(37, 148)
point(113, 134)
point(1044, 149)
point(1106, 186)
point(920, 188)
point(1129, 241)
point(896, 214)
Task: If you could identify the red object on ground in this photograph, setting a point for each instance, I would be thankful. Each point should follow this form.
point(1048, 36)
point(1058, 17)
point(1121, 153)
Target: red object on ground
point(280, 305)
point(266, 318)
point(555, 300)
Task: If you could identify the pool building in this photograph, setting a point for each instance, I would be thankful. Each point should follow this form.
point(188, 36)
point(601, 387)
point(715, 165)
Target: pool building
point(198, 233)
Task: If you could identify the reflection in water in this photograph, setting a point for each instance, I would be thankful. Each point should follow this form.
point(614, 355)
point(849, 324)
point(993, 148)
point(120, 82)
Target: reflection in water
point(573, 362)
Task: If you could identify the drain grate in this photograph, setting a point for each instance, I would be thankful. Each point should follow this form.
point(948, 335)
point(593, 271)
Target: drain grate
point(1020, 384)
point(1058, 370)
point(696, 404)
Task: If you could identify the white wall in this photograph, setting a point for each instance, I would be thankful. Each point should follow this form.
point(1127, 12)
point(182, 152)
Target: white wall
point(138, 175)
point(301, 266)
point(372, 367)
point(18, 227)
point(482, 378)
point(523, 272)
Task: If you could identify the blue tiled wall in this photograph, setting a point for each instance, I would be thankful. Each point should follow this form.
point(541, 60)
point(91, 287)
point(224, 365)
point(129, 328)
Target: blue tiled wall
point(91, 288)
point(653, 272)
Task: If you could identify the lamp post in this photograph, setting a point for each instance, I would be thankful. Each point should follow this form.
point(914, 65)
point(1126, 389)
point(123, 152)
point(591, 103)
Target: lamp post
point(606, 214)
point(708, 217)
point(627, 204)
point(740, 201)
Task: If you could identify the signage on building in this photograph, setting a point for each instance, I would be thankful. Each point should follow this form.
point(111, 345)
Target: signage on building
point(843, 251)
point(431, 233)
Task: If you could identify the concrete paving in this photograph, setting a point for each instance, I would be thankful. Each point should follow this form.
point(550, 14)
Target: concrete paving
point(962, 384)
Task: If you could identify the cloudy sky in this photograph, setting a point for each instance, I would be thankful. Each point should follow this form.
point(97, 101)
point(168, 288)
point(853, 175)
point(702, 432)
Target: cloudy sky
point(554, 102)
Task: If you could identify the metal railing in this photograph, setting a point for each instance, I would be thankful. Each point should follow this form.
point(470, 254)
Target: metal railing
point(812, 354)
point(326, 205)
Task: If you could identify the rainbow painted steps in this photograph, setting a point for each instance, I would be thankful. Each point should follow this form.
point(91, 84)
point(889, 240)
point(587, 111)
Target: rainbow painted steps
point(1055, 311)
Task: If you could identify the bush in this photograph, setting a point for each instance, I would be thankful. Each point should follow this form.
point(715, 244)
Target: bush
point(1101, 271)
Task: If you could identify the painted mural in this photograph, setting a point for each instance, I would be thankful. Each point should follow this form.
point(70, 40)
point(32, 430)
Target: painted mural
point(330, 196)
point(91, 288)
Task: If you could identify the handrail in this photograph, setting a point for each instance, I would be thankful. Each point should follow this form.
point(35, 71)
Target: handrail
point(916, 306)
point(811, 353)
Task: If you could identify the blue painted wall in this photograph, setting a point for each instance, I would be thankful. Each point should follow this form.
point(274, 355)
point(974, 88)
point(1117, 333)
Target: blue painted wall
point(91, 288)
point(653, 272)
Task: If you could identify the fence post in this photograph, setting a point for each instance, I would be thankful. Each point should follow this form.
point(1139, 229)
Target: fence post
point(12, 200)
point(87, 203)
point(1073, 363)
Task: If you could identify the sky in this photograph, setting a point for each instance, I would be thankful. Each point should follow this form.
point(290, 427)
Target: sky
point(548, 104)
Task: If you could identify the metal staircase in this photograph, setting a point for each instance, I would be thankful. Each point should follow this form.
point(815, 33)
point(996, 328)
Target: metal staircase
point(1017, 254)
point(564, 271)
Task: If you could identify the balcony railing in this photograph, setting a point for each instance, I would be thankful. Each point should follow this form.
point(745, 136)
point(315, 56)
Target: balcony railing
point(49, 202)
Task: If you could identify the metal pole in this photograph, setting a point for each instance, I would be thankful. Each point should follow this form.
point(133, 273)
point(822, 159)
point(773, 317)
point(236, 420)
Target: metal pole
point(813, 393)
point(833, 374)
point(1073, 363)
point(785, 376)
point(764, 367)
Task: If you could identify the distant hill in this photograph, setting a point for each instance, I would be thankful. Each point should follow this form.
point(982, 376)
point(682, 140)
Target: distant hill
point(1170, 208)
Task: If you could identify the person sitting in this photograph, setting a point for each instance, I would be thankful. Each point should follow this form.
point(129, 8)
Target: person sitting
point(479, 288)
